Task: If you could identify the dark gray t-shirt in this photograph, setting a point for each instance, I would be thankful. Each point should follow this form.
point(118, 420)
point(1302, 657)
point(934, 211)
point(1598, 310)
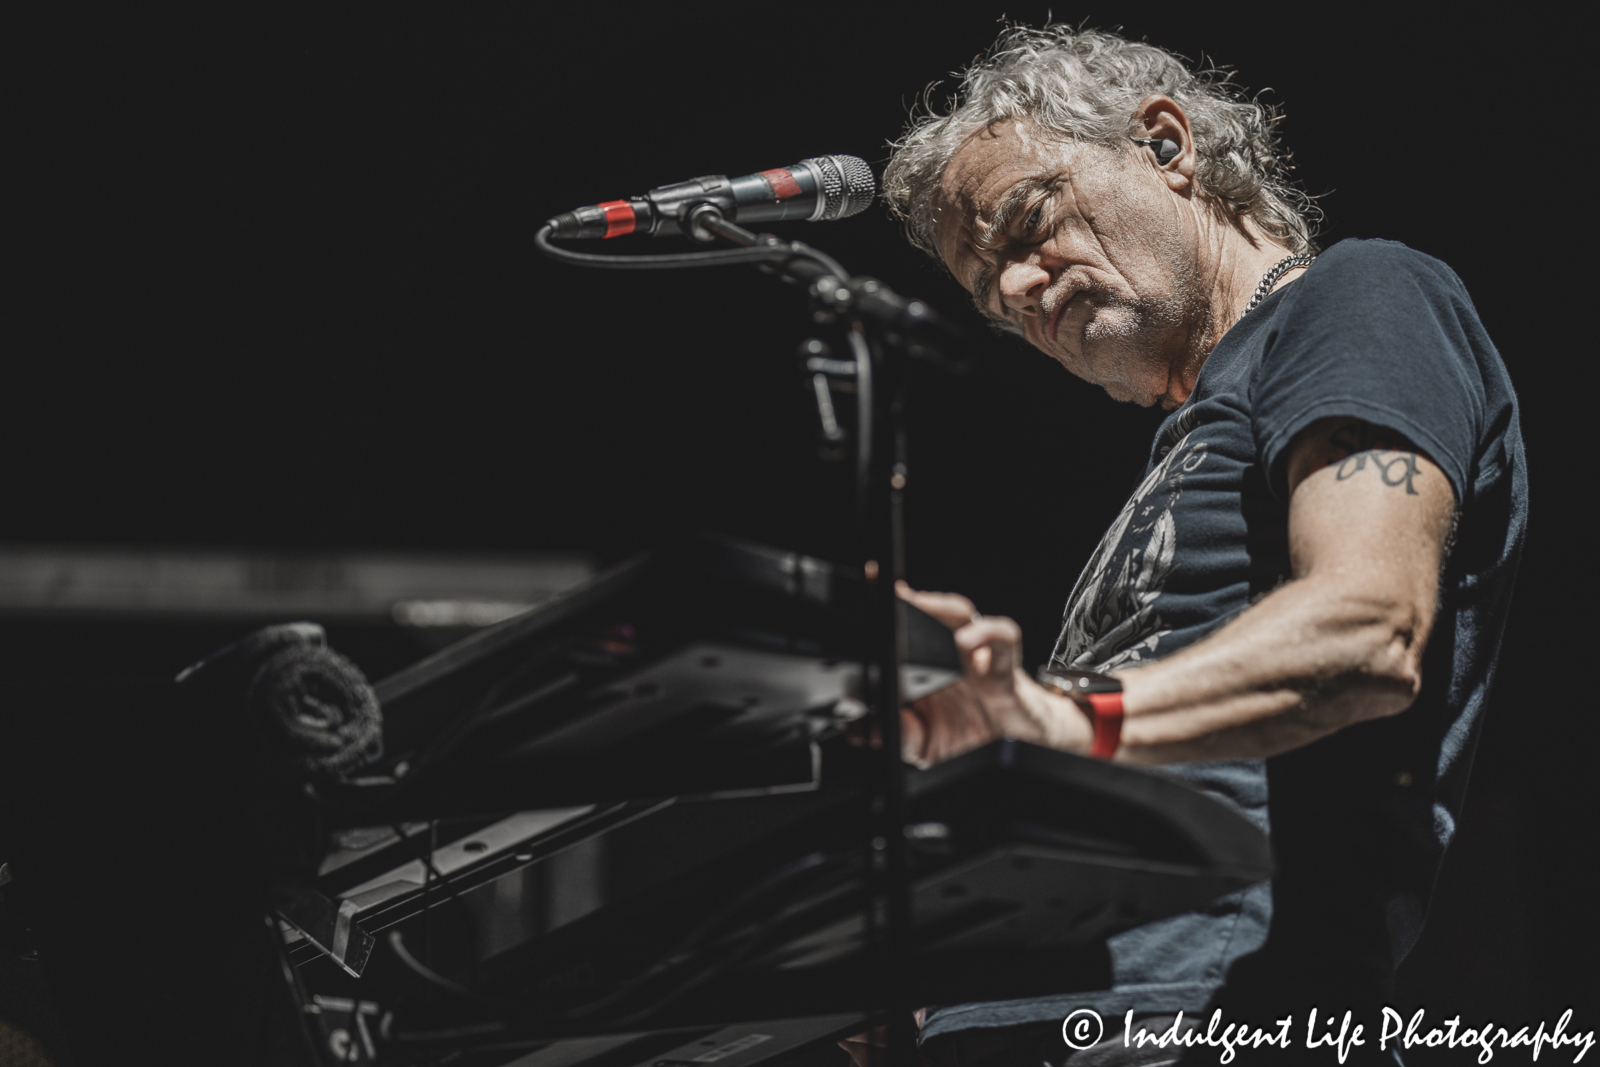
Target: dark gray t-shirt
point(1359, 820)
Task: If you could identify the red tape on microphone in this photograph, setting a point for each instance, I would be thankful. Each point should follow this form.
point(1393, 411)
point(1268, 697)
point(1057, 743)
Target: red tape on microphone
point(783, 184)
point(619, 217)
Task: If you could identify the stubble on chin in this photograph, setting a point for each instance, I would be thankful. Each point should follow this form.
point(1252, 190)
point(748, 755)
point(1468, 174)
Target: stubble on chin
point(1126, 339)
point(1150, 340)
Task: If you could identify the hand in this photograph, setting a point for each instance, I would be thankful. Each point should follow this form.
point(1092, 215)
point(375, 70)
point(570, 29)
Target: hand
point(870, 1049)
point(995, 697)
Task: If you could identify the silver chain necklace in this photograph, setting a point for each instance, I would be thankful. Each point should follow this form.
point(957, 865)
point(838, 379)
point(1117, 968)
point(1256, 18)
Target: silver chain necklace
point(1282, 267)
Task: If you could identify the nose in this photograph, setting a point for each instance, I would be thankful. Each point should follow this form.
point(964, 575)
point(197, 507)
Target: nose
point(1021, 284)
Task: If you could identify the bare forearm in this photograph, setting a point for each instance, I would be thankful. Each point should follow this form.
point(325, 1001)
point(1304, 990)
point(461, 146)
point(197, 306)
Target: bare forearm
point(1339, 644)
point(1309, 659)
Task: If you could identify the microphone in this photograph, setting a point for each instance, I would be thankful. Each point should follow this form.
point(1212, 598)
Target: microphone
point(822, 188)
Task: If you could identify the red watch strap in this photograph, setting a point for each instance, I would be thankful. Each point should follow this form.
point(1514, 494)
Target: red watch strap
point(1107, 724)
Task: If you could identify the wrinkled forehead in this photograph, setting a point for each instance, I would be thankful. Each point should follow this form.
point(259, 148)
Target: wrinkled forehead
point(989, 162)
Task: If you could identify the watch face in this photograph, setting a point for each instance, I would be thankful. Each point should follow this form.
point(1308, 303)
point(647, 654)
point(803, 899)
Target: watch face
point(1071, 682)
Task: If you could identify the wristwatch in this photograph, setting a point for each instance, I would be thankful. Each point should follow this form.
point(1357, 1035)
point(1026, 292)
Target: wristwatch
point(1100, 697)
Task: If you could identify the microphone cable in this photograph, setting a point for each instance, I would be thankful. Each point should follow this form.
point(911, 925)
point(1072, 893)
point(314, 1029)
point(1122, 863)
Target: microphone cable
point(778, 252)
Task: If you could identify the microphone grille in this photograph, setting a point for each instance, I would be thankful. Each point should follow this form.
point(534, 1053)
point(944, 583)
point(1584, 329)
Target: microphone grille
point(847, 185)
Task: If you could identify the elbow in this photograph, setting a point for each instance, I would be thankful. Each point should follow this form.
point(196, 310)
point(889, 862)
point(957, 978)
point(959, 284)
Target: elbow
point(1391, 677)
point(1370, 660)
point(1383, 697)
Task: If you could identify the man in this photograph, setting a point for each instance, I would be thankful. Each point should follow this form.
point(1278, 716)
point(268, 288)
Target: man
point(1303, 599)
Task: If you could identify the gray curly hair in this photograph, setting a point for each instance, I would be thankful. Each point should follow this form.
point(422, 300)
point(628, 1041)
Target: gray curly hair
point(1086, 85)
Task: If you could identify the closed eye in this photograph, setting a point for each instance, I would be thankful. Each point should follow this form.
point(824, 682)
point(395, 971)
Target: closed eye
point(1030, 225)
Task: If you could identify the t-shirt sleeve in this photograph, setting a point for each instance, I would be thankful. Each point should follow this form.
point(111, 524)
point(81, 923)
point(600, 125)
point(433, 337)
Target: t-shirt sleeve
point(1379, 332)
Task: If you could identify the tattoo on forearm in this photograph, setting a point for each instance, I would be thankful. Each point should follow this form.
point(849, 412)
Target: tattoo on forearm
point(1395, 468)
point(1356, 442)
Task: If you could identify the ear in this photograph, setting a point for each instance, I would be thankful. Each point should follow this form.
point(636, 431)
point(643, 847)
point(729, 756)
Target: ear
point(1161, 117)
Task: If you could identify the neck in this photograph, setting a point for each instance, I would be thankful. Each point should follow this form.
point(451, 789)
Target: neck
point(1232, 260)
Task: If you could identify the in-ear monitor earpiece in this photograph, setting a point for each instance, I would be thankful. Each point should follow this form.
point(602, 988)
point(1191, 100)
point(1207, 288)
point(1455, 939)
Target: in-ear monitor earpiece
point(1166, 150)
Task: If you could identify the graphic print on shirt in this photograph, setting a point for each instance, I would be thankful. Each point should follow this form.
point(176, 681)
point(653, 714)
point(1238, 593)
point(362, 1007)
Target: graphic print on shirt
point(1111, 618)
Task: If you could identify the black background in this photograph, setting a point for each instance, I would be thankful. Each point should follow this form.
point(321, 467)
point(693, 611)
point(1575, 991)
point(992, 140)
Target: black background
point(283, 295)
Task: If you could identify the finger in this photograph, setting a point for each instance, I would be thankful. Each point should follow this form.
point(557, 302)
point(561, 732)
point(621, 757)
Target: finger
point(861, 1053)
point(953, 721)
point(1002, 638)
point(1006, 650)
point(952, 609)
point(877, 1037)
point(863, 732)
point(913, 738)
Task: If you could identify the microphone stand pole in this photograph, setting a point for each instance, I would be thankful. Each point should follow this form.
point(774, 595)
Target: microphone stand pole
point(877, 321)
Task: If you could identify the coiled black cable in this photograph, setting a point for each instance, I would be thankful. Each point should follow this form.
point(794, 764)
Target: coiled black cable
point(776, 253)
